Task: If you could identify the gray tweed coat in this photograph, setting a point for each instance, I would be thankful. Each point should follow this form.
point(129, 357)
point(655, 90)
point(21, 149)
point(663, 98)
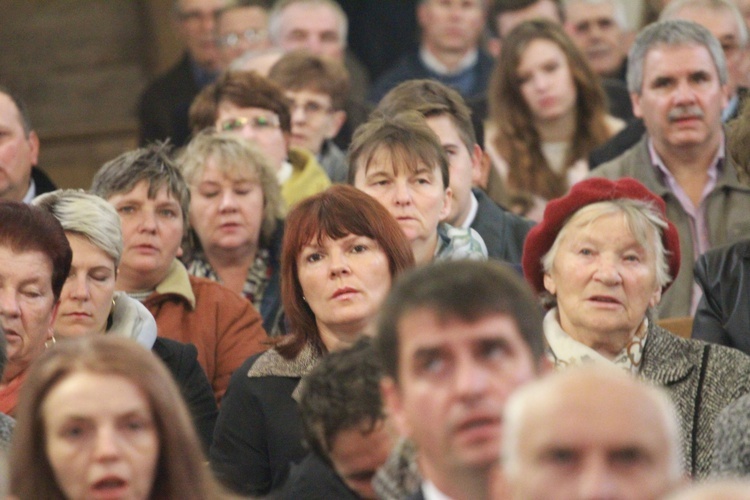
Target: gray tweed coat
point(701, 379)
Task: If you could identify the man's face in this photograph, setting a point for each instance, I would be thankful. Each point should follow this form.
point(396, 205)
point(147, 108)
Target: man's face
point(681, 98)
point(313, 119)
point(720, 22)
point(594, 29)
point(196, 24)
point(258, 125)
point(451, 25)
point(241, 29)
point(312, 27)
point(465, 166)
point(18, 152)
point(592, 440)
point(454, 379)
point(358, 453)
point(543, 9)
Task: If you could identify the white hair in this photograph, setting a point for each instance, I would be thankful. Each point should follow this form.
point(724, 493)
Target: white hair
point(673, 8)
point(274, 18)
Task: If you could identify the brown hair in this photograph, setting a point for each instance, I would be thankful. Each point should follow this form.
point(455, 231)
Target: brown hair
point(300, 70)
point(181, 470)
point(244, 89)
point(517, 140)
point(336, 212)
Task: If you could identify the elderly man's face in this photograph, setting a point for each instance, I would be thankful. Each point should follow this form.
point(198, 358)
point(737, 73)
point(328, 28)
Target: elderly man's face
point(241, 29)
point(592, 440)
point(18, 152)
point(681, 98)
point(594, 29)
point(196, 24)
point(312, 27)
point(451, 25)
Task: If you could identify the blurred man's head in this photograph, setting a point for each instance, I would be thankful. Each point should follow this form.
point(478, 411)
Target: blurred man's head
point(507, 14)
point(242, 27)
point(19, 147)
point(195, 21)
point(451, 26)
point(589, 432)
point(597, 27)
point(319, 26)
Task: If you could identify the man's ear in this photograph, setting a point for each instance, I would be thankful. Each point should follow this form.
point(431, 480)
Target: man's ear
point(389, 391)
point(34, 148)
point(447, 204)
point(635, 99)
point(338, 118)
point(477, 167)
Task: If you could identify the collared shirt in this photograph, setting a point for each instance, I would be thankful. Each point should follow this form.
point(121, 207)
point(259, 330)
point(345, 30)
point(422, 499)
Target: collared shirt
point(430, 491)
point(473, 209)
point(730, 109)
point(31, 193)
point(433, 64)
point(697, 216)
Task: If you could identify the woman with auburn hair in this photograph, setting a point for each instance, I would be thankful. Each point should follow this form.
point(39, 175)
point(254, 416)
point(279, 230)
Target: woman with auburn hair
point(101, 416)
point(547, 113)
point(341, 252)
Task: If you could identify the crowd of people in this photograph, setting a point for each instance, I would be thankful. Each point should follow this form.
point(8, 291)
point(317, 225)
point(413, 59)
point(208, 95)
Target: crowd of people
point(512, 266)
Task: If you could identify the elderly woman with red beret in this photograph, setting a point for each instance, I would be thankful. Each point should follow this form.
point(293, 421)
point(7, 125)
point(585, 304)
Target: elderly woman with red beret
point(604, 254)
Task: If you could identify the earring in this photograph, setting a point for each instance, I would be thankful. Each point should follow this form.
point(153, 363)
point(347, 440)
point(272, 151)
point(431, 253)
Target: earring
point(50, 342)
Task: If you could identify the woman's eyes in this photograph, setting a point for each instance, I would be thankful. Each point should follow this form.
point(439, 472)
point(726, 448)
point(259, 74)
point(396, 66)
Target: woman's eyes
point(359, 248)
point(314, 257)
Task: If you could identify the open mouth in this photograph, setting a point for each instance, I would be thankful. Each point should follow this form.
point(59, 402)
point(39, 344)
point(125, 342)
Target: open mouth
point(109, 488)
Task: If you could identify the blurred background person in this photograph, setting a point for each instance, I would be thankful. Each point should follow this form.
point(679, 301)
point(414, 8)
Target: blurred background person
point(236, 219)
point(604, 254)
point(400, 162)
point(547, 112)
point(242, 26)
point(345, 427)
point(89, 304)
point(152, 199)
point(257, 110)
point(731, 441)
point(318, 88)
point(35, 260)
point(341, 253)
point(164, 104)
point(7, 423)
point(101, 417)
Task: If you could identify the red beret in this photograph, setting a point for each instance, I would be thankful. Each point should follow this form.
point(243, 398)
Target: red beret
point(558, 211)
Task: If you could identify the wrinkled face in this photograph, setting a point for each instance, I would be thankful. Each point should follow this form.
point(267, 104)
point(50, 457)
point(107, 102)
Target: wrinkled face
point(720, 22)
point(451, 25)
point(454, 380)
point(594, 29)
point(196, 24)
point(313, 119)
point(546, 81)
point(418, 200)
point(593, 443)
point(543, 9)
point(604, 280)
point(241, 29)
point(357, 454)
point(314, 28)
point(344, 281)
point(464, 166)
point(151, 231)
point(86, 298)
point(225, 212)
point(18, 153)
point(744, 6)
point(681, 99)
point(257, 125)
point(27, 306)
point(100, 435)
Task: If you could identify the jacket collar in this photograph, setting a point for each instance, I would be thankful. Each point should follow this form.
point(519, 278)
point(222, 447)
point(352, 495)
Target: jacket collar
point(665, 359)
point(273, 364)
point(177, 282)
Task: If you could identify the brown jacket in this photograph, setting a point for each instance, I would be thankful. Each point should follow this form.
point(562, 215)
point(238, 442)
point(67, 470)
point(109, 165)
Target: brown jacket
point(224, 327)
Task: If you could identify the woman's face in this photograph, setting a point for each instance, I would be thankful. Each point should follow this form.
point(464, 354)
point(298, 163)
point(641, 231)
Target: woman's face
point(86, 298)
point(604, 280)
point(226, 213)
point(546, 81)
point(344, 281)
point(100, 437)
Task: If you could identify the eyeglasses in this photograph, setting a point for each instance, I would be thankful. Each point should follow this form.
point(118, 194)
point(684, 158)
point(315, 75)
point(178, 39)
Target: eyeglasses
point(196, 16)
point(251, 35)
point(257, 123)
point(310, 108)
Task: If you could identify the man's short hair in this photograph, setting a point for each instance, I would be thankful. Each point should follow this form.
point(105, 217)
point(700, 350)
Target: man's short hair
point(300, 70)
point(342, 392)
point(244, 89)
point(23, 110)
point(405, 136)
point(673, 8)
point(274, 18)
point(153, 164)
point(431, 98)
point(500, 7)
point(620, 16)
point(671, 33)
point(467, 291)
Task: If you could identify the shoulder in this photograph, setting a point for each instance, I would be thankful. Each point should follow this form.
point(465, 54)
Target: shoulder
point(7, 424)
point(634, 160)
point(209, 291)
point(727, 259)
point(459, 243)
point(178, 75)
